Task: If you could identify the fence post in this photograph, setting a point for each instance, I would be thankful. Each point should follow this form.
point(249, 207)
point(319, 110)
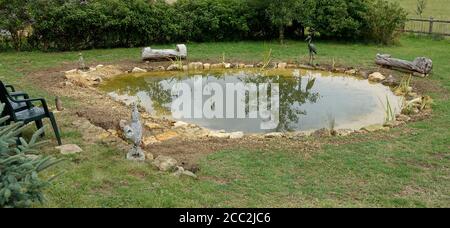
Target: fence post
point(430, 30)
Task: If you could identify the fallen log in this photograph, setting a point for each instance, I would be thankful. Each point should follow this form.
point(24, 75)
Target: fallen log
point(149, 54)
point(420, 65)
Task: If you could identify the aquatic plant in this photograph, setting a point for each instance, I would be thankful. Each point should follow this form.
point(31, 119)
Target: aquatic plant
point(404, 87)
point(389, 112)
point(331, 123)
point(267, 59)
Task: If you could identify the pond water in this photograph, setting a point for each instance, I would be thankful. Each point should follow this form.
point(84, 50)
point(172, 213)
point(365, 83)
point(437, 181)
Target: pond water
point(307, 100)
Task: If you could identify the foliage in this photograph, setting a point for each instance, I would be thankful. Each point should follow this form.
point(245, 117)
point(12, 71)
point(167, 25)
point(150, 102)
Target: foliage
point(74, 25)
point(15, 17)
point(420, 7)
point(383, 20)
point(339, 18)
point(20, 184)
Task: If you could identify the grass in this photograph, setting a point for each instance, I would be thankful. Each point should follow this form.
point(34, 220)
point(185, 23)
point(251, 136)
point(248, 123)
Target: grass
point(438, 9)
point(406, 167)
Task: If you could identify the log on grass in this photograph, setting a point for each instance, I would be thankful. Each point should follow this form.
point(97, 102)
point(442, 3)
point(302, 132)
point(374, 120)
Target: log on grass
point(420, 65)
point(149, 54)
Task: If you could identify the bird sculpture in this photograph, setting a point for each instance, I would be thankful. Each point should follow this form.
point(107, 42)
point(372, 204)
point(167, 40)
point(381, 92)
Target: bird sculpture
point(312, 50)
point(133, 132)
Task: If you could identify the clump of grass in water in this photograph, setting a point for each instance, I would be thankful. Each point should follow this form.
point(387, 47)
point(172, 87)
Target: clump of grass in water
point(389, 113)
point(332, 124)
point(267, 59)
point(404, 88)
point(178, 62)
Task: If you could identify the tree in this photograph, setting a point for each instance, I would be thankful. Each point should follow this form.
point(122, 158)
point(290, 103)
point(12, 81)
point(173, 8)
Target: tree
point(20, 185)
point(421, 6)
point(15, 17)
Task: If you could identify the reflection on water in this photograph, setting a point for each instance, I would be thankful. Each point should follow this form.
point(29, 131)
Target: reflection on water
point(307, 99)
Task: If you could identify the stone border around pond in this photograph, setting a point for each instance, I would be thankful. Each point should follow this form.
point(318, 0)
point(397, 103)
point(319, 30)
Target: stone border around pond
point(418, 104)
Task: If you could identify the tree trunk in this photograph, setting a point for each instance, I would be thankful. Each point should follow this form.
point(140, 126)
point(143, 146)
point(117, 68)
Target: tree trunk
point(281, 30)
point(421, 64)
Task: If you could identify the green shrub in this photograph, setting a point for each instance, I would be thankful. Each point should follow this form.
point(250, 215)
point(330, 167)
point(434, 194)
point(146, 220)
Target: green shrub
point(73, 25)
point(384, 19)
point(20, 185)
point(212, 20)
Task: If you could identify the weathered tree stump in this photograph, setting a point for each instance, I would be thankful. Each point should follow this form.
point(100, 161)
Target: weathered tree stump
point(149, 54)
point(420, 65)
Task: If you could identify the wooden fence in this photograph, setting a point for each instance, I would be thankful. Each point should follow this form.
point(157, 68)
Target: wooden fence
point(428, 26)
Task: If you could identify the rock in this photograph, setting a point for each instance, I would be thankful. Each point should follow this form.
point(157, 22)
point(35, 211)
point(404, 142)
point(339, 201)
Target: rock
point(340, 70)
point(344, 132)
point(196, 66)
point(69, 149)
point(166, 136)
point(149, 156)
point(249, 66)
point(324, 132)
point(241, 65)
point(151, 140)
point(217, 66)
point(180, 124)
point(390, 81)
point(165, 163)
point(138, 70)
point(403, 118)
point(376, 77)
point(174, 67)
point(160, 68)
point(363, 74)
point(394, 123)
point(152, 126)
point(113, 132)
point(351, 71)
point(185, 68)
point(227, 65)
point(291, 66)
point(219, 134)
point(207, 66)
point(375, 127)
point(236, 135)
point(274, 135)
point(307, 67)
point(181, 172)
point(282, 65)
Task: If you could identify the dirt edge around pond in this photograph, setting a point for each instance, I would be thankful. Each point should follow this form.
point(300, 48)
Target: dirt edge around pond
point(105, 113)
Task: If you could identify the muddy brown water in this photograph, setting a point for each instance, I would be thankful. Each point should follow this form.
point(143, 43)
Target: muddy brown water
point(308, 100)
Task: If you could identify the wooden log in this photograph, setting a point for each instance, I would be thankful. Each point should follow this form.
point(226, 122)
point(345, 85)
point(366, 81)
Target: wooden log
point(420, 65)
point(149, 54)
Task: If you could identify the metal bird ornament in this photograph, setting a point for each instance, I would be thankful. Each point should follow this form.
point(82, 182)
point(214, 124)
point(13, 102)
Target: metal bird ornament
point(133, 132)
point(312, 50)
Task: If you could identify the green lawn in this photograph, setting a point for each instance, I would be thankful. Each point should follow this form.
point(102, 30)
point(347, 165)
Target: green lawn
point(406, 167)
point(439, 9)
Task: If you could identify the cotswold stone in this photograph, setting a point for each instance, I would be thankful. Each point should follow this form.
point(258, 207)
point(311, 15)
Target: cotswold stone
point(165, 163)
point(217, 66)
point(196, 66)
point(376, 77)
point(274, 135)
point(138, 70)
point(174, 67)
point(351, 72)
point(375, 127)
point(282, 65)
point(207, 66)
point(69, 149)
point(236, 135)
